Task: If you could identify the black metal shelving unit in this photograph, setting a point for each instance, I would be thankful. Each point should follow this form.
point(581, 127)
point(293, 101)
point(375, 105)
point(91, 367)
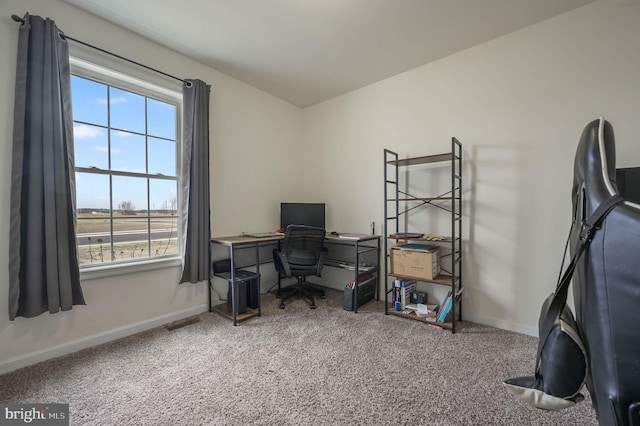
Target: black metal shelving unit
point(399, 203)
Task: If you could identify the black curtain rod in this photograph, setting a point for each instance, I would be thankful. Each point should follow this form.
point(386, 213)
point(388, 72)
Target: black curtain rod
point(66, 37)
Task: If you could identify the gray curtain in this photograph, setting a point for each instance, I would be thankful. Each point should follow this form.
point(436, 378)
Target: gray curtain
point(196, 229)
point(43, 261)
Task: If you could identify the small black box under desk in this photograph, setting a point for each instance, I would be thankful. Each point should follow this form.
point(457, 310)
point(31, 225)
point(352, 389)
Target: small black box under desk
point(248, 291)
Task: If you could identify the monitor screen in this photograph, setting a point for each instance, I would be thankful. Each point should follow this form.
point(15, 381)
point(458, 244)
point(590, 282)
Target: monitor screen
point(310, 214)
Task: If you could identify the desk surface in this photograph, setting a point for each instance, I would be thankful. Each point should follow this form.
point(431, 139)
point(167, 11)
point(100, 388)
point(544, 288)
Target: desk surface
point(243, 239)
point(351, 237)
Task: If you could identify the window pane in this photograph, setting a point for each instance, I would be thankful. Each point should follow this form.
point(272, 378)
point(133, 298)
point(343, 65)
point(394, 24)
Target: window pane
point(164, 225)
point(130, 221)
point(127, 110)
point(162, 157)
point(163, 196)
point(161, 119)
point(95, 249)
point(93, 218)
point(91, 146)
point(129, 196)
point(130, 237)
point(92, 193)
point(127, 152)
point(124, 218)
point(89, 101)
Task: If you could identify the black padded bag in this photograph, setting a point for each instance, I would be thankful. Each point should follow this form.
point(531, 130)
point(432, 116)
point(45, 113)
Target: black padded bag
point(561, 363)
point(563, 360)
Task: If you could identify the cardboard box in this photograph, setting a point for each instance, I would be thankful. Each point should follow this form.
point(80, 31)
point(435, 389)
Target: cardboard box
point(417, 261)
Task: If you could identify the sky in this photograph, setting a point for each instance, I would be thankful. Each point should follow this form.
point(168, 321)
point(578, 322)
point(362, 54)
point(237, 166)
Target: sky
point(95, 106)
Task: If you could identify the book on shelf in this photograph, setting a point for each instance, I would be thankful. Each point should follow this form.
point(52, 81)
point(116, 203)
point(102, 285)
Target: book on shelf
point(444, 308)
point(447, 305)
point(402, 290)
point(406, 288)
point(396, 290)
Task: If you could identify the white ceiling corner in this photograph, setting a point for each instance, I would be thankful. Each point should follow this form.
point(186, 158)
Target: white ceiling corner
point(307, 51)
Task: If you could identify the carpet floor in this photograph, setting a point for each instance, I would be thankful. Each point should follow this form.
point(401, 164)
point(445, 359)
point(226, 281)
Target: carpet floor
point(295, 366)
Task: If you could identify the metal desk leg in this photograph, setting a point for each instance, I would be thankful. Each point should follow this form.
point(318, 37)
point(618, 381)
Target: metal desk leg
point(209, 293)
point(234, 290)
point(355, 286)
point(258, 278)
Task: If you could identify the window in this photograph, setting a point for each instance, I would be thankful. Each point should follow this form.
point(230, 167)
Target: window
point(126, 162)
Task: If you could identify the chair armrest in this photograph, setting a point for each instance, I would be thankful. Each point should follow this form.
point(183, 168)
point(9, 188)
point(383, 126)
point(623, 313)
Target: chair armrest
point(281, 263)
point(323, 254)
point(634, 414)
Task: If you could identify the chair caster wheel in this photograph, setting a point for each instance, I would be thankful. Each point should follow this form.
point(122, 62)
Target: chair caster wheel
point(322, 296)
point(281, 306)
point(313, 306)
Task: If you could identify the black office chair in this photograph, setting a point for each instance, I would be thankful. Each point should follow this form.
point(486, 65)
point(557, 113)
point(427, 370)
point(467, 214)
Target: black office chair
point(606, 282)
point(300, 255)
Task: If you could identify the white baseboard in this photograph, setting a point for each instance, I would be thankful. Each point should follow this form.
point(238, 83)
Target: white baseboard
point(504, 325)
point(467, 316)
point(97, 339)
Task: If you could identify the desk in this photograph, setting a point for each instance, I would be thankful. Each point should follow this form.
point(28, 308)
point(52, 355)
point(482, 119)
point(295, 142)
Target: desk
point(358, 246)
point(233, 243)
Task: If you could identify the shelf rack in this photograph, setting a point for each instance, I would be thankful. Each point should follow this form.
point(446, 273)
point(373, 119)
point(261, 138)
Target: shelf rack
point(449, 202)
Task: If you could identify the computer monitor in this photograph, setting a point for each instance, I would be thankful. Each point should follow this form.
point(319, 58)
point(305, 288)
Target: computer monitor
point(310, 214)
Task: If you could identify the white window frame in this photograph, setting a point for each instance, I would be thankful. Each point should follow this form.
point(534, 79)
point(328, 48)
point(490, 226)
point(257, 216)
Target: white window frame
point(146, 84)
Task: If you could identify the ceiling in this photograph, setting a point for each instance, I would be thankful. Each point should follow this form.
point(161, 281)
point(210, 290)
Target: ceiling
point(307, 51)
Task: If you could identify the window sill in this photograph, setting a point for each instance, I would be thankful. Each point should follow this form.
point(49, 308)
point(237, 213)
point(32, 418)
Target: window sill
point(114, 269)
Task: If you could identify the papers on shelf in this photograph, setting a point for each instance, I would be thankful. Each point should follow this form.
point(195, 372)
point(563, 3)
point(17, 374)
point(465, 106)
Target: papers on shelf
point(353, 236)
point(422, 310)
point(352, 267)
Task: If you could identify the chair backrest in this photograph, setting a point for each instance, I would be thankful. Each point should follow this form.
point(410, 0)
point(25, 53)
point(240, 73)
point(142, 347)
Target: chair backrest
point(606, 282)
point(303, 247)
point(302, 237)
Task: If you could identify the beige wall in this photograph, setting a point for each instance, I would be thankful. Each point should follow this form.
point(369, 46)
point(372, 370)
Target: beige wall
point(247, 126)
point(518, 104)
